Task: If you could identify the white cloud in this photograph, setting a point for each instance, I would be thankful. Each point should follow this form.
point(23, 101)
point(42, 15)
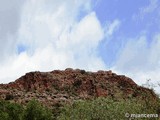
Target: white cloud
point(112, 27)
point(152, 7)
point(140, 60)
point(55, 38)
point(9, 23)
point(133, 55)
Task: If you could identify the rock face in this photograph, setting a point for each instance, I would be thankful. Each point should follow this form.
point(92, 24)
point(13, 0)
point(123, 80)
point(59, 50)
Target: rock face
point(66, 86)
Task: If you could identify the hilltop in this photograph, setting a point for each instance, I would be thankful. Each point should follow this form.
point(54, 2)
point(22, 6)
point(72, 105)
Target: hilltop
point(68, 85)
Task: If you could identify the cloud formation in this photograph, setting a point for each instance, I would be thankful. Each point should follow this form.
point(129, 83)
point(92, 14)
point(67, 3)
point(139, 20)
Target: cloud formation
point(112, 27)
point(45, 35)
point(140, 60)
point(151, 9)
point(153, 5)
point(54, 35)
point(9, 24)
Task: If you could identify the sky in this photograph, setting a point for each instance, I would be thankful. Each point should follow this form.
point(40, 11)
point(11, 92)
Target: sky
point(44, 35)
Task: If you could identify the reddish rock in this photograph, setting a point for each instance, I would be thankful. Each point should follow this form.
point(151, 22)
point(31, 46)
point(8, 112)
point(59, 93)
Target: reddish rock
point(70, 84)
point(101, 92)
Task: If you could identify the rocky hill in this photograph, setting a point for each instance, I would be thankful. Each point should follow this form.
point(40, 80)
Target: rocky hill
point(69, 85)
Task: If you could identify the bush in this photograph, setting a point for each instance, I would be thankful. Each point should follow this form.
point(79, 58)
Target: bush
point(104, 109)
point(9, 97)
point(82, 71)
point(35, 111)
point(77, 83)
point(97, 109)
point(10, 111)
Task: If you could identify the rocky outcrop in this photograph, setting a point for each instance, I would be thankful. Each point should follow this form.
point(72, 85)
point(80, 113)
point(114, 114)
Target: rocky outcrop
point(66, 86)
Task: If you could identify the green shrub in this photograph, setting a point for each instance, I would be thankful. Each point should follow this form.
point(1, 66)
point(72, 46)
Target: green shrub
point(35, 111)
point(10, 111)
point(104, 109)
point(97, 109)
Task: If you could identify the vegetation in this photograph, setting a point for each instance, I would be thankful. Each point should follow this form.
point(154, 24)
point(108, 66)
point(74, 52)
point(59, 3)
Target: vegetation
point(33, 111)
point(10, 111)
point(107, 109)
point(98, 109)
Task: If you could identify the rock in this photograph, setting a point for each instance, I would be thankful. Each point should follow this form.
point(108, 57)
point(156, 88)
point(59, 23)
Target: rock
point(69, 85)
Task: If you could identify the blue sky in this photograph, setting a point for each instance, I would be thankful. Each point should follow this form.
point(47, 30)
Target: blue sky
point(133, 24)
point(44, 35)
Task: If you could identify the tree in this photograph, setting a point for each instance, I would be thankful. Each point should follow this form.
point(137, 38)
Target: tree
point(10, 111)
point(35, 111)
